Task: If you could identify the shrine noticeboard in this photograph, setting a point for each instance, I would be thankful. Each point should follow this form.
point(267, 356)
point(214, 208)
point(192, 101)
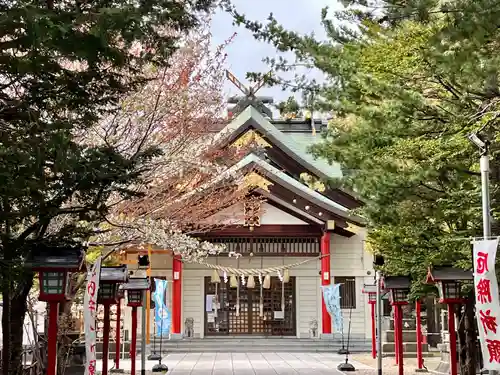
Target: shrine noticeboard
point(487, 301)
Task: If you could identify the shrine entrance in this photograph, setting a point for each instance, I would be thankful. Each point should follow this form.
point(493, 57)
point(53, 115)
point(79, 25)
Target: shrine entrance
point(221, 318)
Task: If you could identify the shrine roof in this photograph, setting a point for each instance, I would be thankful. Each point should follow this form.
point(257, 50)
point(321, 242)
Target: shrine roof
point(295, 144)
point(294, 186)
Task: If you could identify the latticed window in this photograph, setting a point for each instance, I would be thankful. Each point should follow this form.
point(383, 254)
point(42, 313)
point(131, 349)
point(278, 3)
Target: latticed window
point(347, 291)
point(53, 282)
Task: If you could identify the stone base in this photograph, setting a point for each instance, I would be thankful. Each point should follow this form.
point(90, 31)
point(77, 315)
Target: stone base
point(176, 336)
point(327, 336)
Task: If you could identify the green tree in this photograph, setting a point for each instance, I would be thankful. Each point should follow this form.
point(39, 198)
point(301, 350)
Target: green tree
point(410, 83)
point(63, 66)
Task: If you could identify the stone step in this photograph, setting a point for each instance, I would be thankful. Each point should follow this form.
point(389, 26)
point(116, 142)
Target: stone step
point(407, 347)
point(231, 342)
point(409, 336)
point(411, 355)
point(259, 345)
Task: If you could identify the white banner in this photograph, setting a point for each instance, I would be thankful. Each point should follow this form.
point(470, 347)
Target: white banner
point(89, 316)
point(487, 301)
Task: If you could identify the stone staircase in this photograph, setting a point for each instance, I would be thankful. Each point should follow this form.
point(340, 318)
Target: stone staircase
point(257, 344)
point(409, 340)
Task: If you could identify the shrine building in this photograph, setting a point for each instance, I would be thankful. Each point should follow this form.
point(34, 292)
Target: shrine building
point(299, 219)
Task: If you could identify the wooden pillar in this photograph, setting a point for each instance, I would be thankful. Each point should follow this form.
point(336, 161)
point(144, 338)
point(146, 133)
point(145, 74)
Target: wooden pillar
point(118, 334)
point(374, 331)
point(105, 346)
point(52, 338)
point(176, 295)
point(420, 360)
point(453, 339)
point(401, 370)
point(133, 343)
point(325, 280)
point(396, 334)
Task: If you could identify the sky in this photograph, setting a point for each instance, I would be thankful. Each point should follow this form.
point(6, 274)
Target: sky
point(245, 53)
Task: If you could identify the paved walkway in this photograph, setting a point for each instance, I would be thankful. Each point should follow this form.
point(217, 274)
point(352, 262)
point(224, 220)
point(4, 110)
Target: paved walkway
point(248, 364)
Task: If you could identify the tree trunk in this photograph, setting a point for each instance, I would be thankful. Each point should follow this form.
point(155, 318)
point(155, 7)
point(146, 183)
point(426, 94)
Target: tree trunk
point(468, 339)
point(14, 311)
point(430, 309)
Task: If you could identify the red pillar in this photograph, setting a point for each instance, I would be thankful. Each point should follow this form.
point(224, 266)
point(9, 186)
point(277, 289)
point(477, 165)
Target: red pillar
point(105, 344)
point(400, 341)
point(453, 339)
point(420, 360)
point(52, 338)
point(325, 280)
point(396, 334)
point(118, 333)
point(134, 340)
point(176, 294)
point(374, 344)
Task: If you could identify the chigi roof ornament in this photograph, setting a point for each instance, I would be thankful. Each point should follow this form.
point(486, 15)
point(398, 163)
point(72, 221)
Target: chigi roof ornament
point(249, 99)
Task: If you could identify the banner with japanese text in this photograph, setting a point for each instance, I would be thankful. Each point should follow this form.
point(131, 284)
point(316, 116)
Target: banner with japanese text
point(487, 301)
point(331, 296)
point(90, 315)
point(162, 315)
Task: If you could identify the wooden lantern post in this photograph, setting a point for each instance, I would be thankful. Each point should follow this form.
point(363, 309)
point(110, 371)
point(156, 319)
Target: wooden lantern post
point(449, 281)
point(110, 279)
point(135, 289)
point(371, 290)
point(399, 288)
point(54, 266)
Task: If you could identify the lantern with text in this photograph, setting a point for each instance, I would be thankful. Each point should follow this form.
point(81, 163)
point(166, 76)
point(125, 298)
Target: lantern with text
point(399, 289)
point(135, 288)
point(371, 290)
point(109, 281)
point(449, 282)
point(54, 266)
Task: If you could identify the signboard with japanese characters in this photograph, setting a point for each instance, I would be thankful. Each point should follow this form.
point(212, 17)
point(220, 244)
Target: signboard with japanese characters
point(89, 317)
point(487, 301)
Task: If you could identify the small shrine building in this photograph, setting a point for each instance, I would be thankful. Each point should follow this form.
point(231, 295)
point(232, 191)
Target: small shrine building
point(300, 219)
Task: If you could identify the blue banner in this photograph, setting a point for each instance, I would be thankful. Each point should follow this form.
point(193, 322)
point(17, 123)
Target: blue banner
point(162, 315)
point(331, 296)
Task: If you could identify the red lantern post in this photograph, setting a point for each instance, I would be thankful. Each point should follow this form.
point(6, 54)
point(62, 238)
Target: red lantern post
point(449, 282)
point(399, 288)
point(135, 289)
point(110, 279)
point(420, 359)
point(371, 290)
point(54, 266)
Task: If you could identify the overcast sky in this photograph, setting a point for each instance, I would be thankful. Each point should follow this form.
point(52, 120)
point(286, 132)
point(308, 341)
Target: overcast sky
point(246, 54)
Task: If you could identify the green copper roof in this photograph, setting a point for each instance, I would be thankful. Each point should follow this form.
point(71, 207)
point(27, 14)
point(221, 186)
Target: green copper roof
point(294, 143)
point(300, 142)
